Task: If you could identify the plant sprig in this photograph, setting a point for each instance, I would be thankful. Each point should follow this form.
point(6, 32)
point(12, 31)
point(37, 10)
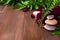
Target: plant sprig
point(49, 6)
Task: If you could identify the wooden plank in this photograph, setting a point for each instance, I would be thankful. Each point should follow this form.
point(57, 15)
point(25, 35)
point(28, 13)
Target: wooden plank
point(31, 30)
point(19, 26)
point(11, 24)
point(6, 28)
point(1, 8)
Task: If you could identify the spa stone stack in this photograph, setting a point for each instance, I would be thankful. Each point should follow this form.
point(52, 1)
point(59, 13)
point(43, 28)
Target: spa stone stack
point(50, 23)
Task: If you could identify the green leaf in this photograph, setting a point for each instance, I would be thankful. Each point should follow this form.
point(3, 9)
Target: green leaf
point(31, 7)
point(1, 0)
point(7, 2)
point(55, 33)
point(25, 2)
point(59, 17)
point(41, 0)
point(48, 3)
point(19, 6)
point(36, 6)
point(44, 14)
point(54, 2)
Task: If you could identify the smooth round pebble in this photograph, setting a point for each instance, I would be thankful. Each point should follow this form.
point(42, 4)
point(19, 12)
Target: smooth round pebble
point(51, 22)
point(50, 16)
point(48, 27)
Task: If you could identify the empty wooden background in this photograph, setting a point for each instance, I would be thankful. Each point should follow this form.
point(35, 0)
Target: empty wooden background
point(17, 25)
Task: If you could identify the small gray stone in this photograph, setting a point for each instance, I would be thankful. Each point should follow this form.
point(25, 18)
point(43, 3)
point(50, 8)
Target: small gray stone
point(49, 27)
point(50, 16)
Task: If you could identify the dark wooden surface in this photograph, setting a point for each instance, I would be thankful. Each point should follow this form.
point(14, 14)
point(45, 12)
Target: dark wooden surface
point(17, 25)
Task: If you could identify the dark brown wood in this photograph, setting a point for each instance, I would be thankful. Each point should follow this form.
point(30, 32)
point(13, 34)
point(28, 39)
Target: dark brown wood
point(17, 25)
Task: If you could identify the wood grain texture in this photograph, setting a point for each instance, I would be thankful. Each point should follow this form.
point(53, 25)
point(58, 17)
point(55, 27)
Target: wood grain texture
point(17, 25)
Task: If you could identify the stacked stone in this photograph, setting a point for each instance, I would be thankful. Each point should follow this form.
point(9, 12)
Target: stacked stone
point(50, 23)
